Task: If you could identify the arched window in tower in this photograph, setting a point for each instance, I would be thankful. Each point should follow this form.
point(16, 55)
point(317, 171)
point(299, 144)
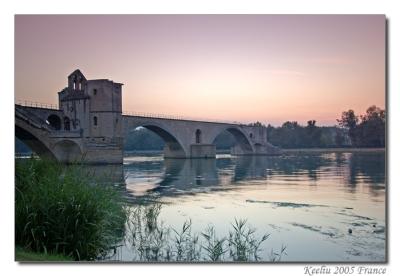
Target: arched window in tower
point(54, 121)
point(75, 83)
point(67, 123)
point(95, 120)
point(198, 136)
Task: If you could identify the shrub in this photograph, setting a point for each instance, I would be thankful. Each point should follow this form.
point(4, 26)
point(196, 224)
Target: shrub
point(61, 210)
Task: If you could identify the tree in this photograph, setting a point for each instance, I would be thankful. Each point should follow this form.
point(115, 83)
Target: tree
point(366, 130)
point(339, 137)
point(372, 128)
point(293, 135)
point(349, 121)
point(290, 125)
point(311, 124)
point(313, 134)
point(259, 124)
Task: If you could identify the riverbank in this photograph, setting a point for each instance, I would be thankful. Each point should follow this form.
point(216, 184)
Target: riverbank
point(329, 150)
point(23, 255)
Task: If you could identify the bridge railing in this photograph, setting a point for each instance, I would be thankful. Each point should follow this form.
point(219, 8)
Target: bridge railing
point(36, 104)
point(135, 114)
point(177, 117)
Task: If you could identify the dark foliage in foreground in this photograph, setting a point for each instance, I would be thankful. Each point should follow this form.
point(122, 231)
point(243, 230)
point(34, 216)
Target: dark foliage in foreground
point(60, 210)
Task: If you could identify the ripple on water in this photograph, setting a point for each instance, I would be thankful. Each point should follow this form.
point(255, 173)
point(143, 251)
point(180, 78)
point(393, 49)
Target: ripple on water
point(303, 199)
point(286, 204)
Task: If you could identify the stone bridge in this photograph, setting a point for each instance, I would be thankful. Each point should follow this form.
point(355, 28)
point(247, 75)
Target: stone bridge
point(89, 127)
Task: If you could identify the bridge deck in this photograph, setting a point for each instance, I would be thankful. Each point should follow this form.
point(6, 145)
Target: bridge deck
point(179, 118)
point(46, 106)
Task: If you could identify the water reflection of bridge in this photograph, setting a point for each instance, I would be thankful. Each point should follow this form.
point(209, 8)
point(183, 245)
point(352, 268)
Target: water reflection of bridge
point(176, 177)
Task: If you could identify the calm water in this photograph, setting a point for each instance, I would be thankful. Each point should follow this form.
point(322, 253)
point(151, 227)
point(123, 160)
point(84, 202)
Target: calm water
point(306, 202)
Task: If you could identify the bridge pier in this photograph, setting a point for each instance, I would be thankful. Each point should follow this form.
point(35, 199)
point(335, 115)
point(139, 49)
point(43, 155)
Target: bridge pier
point(194, 151)
point(202, 151)
point(173, 150)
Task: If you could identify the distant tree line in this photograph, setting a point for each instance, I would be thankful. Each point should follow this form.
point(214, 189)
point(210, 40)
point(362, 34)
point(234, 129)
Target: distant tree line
point(143, 139)
point(356, 131)
point(293, 135)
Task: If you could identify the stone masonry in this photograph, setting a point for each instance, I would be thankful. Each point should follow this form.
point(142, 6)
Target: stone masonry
point(89, 127)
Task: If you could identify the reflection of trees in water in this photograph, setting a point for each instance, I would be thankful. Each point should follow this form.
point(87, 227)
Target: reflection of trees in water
point(298, 164)
point(341, 158)
point(174, 177)
point(367, 168)
point(250, 167)
point(262, 167)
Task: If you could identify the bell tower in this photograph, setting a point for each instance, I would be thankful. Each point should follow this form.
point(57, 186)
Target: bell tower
point(93, 108)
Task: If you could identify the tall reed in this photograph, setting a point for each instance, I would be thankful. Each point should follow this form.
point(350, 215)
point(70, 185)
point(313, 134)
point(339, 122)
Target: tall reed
point(150, 240)
point(61, 210)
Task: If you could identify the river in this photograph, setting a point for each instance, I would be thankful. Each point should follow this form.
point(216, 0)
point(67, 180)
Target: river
point(318, 207)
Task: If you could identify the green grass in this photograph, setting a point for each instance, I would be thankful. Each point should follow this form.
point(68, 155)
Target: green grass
point(63, 210)
point(22, 255)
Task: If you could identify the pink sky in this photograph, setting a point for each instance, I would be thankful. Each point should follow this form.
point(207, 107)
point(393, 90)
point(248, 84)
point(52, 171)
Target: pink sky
point(268, 68)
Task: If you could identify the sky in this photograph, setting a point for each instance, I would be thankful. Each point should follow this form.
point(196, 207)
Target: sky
point(246, 68)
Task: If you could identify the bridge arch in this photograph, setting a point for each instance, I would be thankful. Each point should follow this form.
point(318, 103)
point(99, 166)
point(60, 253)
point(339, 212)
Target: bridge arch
point(242, 141)
point(67, 151)
point(33, 142)
point(258, 148)
point(173, 146)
